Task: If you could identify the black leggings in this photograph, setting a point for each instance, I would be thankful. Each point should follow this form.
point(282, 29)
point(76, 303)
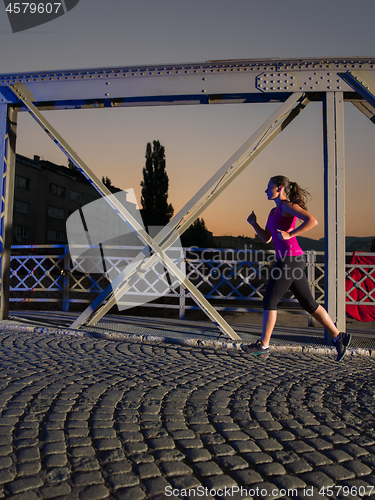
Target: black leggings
point(289, 272)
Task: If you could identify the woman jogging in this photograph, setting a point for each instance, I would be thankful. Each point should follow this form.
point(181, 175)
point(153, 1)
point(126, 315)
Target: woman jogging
point(289, 269)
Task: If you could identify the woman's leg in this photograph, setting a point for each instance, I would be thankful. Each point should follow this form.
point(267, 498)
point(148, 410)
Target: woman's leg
point(269, 321)
point(281, 278)
point(341, 339)
point(324, 319)
point(302, 292)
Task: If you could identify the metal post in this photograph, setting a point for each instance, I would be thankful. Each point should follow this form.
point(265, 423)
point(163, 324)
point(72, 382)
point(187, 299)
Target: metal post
point(311, 279)
point(334, 210)
point(8, 128)
point(182, 289)
point(66, 279)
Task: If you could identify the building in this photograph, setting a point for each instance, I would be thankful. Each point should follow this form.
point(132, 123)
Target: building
point(45, 195)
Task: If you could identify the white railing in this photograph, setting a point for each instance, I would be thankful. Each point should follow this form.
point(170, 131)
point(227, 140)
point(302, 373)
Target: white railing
point(232, 280)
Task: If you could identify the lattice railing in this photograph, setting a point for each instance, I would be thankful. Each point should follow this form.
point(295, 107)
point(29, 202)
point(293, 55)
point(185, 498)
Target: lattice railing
point(232, 280)
point(37, 273)
point(42, 274)
point(367, 274)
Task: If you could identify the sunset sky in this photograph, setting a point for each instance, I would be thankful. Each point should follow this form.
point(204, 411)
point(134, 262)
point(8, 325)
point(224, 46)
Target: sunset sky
point(199, 139)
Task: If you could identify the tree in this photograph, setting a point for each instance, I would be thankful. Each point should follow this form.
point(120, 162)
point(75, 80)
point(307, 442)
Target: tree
point(197, 235)
point(106, 181)
point(372, 248)
point(156, 211)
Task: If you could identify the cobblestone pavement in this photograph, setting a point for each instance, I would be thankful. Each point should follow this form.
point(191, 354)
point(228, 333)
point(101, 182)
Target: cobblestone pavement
point(91, 419)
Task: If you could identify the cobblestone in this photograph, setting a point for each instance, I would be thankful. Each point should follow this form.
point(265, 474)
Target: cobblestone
point(337, 472)
point(95, 492)
point(28, 468)
point(175, 468)
point(26, 443)
point(218, 482)
point(56, 460)
point(354, 450)
point(55, 491)
point(87, 478)
point(247, 476)
point(146, 471)
point(288, 482)
point(198, 455)
point(258, 458)
point(21, 485)
point(315, 458)
point(123, 480)
point(157, 486)
point(92, 419)
point(317, 479)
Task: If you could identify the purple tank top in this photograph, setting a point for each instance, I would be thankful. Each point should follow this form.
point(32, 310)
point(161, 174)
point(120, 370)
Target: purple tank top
point(277, 221)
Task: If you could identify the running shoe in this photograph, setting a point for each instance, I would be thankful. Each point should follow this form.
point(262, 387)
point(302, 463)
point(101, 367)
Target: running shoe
point(341, 344)
point(256, 349)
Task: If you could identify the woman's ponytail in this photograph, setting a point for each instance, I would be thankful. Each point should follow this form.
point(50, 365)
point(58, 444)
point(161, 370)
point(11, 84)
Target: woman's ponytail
point(293, 191)
point(298, 195)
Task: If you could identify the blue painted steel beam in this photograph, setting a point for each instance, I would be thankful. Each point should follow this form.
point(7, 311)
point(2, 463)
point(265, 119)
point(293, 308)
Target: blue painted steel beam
point(201, 83)
point(3, 167)
point(365, 108)
point(362, 82)
point(8, 124)
point(175, 100)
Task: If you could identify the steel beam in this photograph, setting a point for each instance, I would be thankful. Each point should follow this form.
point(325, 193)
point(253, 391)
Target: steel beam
point(334, 209)
point(365, 108)
point(211, 82)
point(8, 128)
point(362, 82)
point(205, 196)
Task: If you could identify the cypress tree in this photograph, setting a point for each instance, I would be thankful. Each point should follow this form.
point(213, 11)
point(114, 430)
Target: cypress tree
point(156, 211)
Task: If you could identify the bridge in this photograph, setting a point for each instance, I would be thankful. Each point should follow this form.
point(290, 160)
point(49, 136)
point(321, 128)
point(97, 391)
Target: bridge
point(293, 83)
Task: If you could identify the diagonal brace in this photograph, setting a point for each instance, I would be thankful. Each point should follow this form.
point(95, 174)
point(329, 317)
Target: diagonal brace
point(362, 82)
point(365, 108)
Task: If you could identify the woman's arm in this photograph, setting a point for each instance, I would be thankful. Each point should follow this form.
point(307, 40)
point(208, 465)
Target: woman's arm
point(308, 220)
point(264, 234)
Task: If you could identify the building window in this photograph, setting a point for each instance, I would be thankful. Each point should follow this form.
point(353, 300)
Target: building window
point(22, 182)
point(21, 206)
point(20, 232)
point(56, 213)
point(74, 196)
point(57, 190)
point(55, 235)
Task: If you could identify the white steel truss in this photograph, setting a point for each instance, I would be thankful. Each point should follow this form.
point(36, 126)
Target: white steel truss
point(293, 82)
